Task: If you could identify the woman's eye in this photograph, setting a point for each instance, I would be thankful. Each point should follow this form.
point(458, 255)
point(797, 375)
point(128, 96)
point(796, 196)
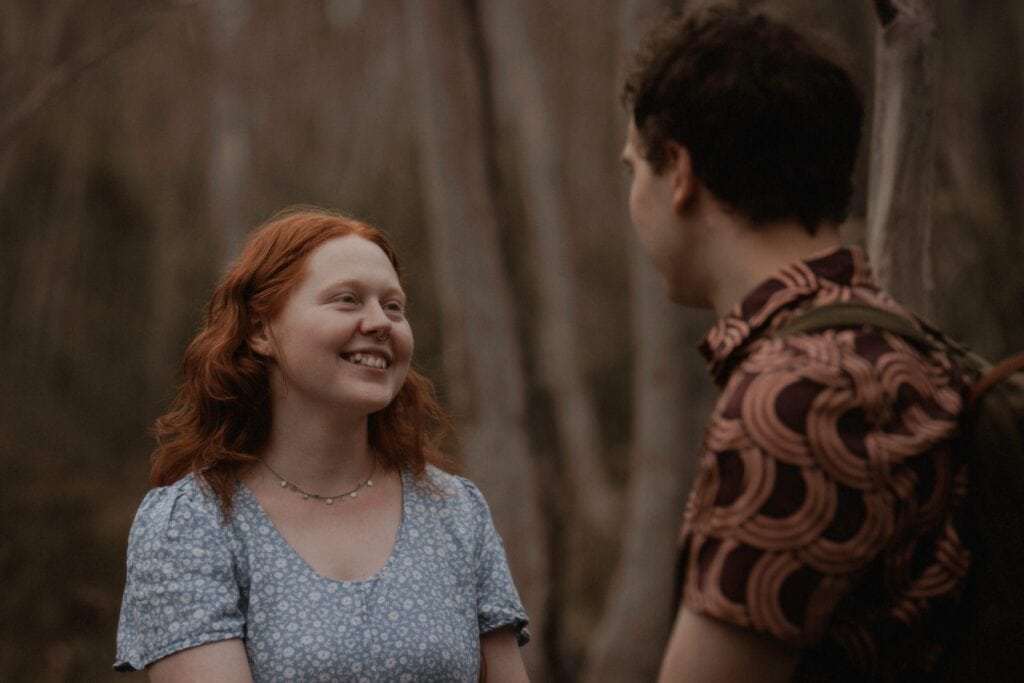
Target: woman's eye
point(346, 299)
point(394, 307)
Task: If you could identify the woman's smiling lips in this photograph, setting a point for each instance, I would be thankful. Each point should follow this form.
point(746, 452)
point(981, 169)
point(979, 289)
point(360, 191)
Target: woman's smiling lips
point(370, 359)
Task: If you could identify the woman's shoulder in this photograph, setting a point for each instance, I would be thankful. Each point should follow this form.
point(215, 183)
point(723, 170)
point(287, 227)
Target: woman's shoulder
point(449, 494)
point(182, 509)
point(446, 485)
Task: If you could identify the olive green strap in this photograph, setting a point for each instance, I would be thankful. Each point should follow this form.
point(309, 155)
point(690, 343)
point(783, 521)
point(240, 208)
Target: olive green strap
point(849, 314)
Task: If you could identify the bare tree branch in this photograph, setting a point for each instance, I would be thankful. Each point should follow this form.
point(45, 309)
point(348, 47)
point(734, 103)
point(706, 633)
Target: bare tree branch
point(62, 75)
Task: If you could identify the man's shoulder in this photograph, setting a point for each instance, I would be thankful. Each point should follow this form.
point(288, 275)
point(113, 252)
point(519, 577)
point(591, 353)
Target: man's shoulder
point(847, 393)
point(823, 351)
point(873, 364)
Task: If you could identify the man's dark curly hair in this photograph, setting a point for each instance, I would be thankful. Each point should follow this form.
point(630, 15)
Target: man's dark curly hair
point(771, 124)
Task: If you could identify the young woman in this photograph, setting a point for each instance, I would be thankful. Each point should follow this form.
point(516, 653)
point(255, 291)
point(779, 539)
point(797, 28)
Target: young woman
point(301, 528)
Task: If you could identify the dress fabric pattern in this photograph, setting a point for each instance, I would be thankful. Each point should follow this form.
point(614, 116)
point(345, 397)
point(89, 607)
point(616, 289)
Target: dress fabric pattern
point(194, 580)
point(827, 508)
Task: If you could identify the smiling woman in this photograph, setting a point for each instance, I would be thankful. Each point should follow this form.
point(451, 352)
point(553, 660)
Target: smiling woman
point(302, 526)
point(341, 342)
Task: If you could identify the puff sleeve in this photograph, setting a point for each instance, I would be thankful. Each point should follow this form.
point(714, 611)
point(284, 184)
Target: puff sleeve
point(498, 603)
point(181, 588)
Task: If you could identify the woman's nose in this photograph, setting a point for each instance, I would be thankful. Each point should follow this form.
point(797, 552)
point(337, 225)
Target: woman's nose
point(375, 320)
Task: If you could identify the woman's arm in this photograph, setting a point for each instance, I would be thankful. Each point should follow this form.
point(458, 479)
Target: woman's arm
point(223, 661)
point(499, 657)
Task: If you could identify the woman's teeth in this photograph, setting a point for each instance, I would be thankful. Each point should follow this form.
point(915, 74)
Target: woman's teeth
point(367, 360)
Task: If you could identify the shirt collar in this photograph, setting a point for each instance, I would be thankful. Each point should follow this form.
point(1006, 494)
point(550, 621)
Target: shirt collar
point(838, 267)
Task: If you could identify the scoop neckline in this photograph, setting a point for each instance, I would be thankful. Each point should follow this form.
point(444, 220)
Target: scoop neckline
point(281, 540)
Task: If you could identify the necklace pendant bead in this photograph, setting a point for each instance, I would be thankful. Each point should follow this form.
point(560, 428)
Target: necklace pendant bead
point(328, 500)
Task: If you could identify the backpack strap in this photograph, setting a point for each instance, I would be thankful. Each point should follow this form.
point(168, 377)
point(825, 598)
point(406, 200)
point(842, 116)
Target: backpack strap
point(849, 314)
point(926, 337)
point(997, 374)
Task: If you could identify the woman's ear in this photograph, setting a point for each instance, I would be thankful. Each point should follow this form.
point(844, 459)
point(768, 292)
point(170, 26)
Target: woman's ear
point(261, 338)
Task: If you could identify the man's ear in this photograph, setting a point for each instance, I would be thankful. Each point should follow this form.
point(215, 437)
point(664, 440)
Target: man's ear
point(684, 183)
point(261, 338)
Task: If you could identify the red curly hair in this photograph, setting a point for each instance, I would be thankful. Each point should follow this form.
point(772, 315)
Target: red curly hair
point(221, 416)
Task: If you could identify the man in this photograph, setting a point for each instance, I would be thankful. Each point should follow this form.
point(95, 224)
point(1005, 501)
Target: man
point(822, 538)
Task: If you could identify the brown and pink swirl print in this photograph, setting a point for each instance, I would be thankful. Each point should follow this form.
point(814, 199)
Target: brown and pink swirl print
point(827, 507)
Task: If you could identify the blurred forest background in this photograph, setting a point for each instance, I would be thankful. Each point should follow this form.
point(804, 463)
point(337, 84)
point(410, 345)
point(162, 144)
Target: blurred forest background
point(140, 140)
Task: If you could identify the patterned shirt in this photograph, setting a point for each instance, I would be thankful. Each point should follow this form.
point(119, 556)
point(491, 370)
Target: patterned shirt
point(827, 509)
point(194, 580)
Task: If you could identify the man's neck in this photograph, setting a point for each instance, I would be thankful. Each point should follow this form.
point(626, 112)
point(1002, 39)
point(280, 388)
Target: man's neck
point(744, 254)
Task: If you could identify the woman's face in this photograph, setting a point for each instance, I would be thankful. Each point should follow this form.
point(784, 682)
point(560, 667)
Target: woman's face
point(341, 340)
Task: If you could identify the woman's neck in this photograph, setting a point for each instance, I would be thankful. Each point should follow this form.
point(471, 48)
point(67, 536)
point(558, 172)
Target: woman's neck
point(319, 453)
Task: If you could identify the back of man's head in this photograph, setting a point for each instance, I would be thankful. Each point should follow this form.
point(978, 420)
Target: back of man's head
point(771, 124)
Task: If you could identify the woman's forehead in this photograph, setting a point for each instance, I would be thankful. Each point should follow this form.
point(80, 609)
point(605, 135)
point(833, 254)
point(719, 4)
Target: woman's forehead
point(349, 257)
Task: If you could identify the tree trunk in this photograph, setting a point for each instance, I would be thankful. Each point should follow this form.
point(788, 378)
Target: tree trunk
point(482, 356)
point(229, 159)
point(903, 152)
point(979, 179)
point(671, 395)
point(529, 109)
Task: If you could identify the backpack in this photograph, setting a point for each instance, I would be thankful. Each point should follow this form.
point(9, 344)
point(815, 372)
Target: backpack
point(988, 641)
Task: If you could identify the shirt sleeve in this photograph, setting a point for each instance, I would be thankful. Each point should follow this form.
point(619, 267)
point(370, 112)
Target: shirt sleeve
point(806, 477)
point(181, 589)
point(498, 603)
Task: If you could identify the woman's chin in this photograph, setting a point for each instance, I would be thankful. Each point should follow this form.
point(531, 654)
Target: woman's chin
point(369, 403)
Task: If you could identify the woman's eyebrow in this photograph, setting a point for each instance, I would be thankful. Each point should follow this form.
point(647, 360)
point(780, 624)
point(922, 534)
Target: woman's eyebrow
point(348, 282)
point(332, 287)
point(357, 283)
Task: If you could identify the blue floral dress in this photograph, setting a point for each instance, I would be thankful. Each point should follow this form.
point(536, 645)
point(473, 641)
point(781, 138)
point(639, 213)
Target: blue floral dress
point(194, 580)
